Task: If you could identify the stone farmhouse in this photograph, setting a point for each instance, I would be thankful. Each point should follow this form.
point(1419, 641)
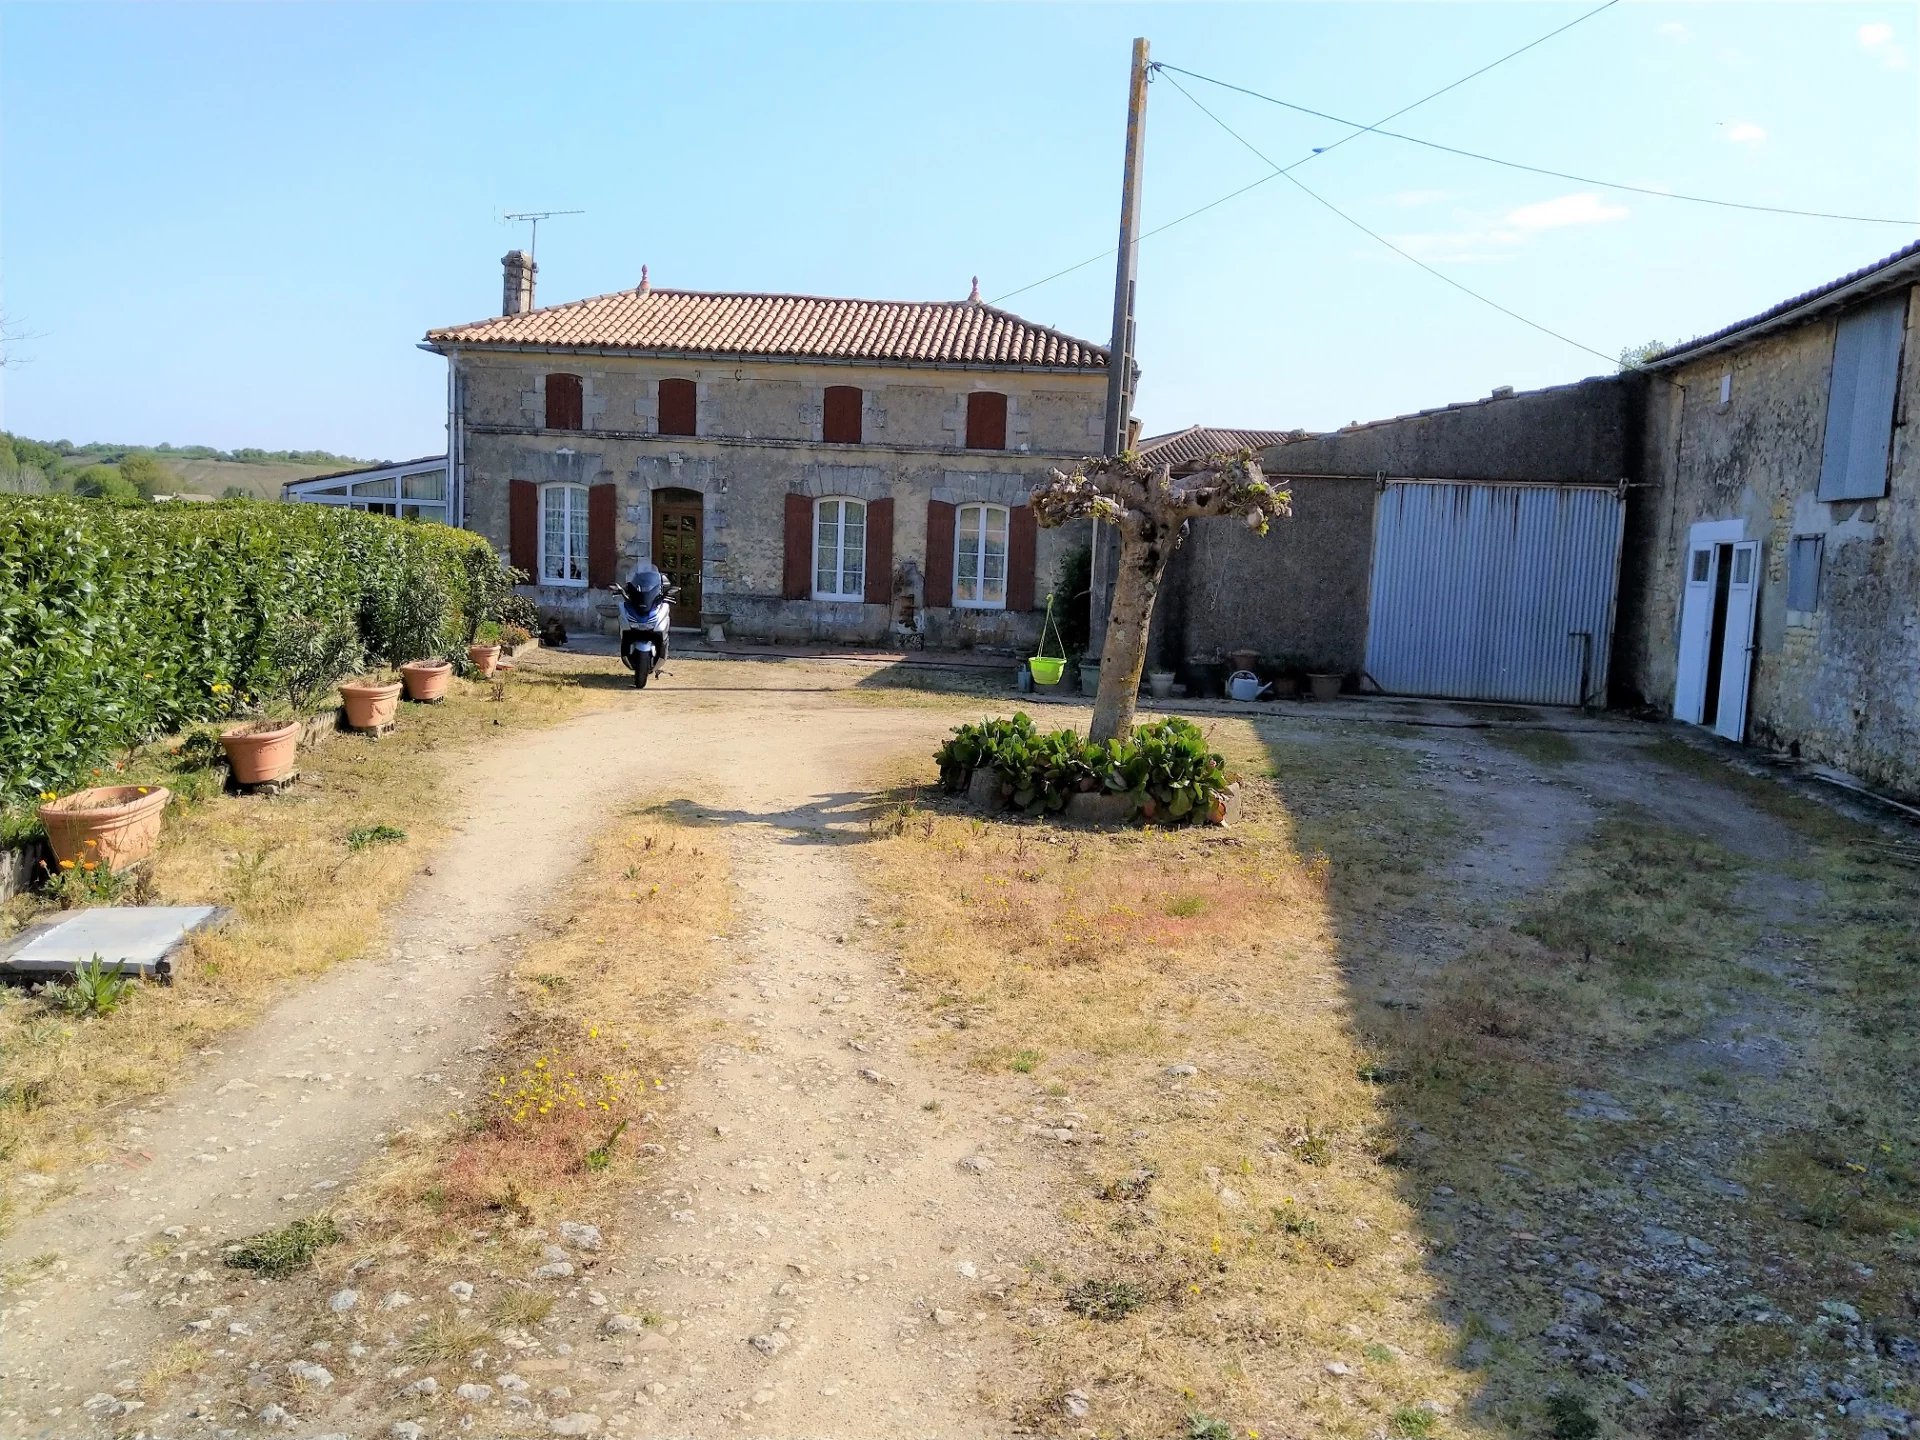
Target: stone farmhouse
point(811, 469)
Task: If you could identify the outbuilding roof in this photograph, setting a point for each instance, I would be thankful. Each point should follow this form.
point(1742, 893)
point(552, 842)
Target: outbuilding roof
point(1900, 268)
point(785, 327)
point(1197, 442)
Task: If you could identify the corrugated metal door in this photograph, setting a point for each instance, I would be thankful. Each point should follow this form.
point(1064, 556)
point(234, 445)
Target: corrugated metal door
point(1494, 592)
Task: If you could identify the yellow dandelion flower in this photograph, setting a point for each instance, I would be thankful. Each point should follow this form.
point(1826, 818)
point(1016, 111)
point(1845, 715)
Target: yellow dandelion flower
point(47, 797)
point(66, 864)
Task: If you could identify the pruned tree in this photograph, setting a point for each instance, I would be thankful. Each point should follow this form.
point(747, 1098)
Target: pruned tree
point(1149, 509)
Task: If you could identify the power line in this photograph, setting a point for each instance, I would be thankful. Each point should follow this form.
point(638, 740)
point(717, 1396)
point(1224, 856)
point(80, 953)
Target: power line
point(1518, 165)
point(1374, 234)
point(1281, 170)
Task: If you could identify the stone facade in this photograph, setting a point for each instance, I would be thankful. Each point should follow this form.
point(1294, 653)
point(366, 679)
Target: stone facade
point(1839, 684)
point(758, 439)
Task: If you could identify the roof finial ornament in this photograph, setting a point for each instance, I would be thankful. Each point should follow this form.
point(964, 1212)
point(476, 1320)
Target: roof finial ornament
point(646, 285)
point(974, 298)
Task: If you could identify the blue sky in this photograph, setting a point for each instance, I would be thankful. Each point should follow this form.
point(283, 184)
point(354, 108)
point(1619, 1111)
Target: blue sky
point(229, 224)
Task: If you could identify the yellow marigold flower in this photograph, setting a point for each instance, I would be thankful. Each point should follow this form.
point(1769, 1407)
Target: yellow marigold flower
point(47, 797)
point(66, 864)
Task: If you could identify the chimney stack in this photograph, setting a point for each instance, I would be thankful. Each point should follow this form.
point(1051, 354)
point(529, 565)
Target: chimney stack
point(517, 293)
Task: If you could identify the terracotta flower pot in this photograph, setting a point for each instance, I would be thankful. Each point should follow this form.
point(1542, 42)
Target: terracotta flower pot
point(369, 707)
point(112, 824)
point(484, 658)
point(1325, 687)
point(264, 750)
point(426, 680)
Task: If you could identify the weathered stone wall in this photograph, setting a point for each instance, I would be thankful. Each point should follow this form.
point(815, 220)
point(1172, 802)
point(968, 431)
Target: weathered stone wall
point(1297, 595)
point(758, 440)
point(1839, 684)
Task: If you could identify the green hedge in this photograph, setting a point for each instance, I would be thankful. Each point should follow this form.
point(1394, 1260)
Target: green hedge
point(1166, 769)
point(118, 624)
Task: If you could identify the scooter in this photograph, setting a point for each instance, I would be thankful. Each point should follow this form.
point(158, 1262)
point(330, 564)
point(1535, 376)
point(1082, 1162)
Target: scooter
point(646, 614)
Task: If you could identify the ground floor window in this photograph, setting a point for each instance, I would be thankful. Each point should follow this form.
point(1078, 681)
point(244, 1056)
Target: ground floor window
point(839, 549)
point(980, 557)
point(563, 535)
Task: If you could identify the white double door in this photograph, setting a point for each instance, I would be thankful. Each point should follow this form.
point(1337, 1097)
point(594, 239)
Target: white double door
point(1718, 615)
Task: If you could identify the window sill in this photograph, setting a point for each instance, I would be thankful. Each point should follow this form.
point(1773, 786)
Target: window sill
point(562, 584)
point(979, 605)
point(840, 599)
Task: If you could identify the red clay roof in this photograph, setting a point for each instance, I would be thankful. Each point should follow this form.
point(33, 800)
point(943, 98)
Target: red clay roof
point(795, 327)
point(1197, 442)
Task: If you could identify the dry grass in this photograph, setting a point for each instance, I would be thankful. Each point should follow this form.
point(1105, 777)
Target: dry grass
point(302, 900)
point(1241, 1228)
point(1420, 1122)
point(572, 1090)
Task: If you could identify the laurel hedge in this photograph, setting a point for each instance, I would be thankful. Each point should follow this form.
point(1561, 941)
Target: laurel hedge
point(121, 623)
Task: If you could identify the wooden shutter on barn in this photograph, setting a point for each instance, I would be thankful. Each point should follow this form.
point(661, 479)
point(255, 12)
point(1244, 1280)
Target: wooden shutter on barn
point(880, 552)
point(603, 543)
point(939, 553)
point(986, 420)
point(1022, 539)
point(523, 527)
point(564, 406)
point(679, 407)
point(797, 575)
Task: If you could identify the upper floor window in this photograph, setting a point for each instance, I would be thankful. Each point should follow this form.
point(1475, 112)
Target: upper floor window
point(840, 417)
point(1860, 399)
point(563, 535)
point(986, 420)
point(679, 410)
point(565, 409)
point(980, 557)
point(839, 549)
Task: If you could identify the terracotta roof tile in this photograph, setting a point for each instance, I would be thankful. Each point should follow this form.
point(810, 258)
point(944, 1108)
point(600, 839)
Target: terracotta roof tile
point(1197, 442)
point(799, 327)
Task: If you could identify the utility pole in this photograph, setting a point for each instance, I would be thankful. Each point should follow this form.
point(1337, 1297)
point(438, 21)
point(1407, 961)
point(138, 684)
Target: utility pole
point(1120, 351)
point(1126, 266)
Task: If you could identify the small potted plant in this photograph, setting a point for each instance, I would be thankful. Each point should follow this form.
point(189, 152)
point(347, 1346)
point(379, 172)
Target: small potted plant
point(512, 637)
point(1160, 683)
point(1089, 675)
point(484, 652)
point(1325, 685)
point(307, 655)
point(418, 634)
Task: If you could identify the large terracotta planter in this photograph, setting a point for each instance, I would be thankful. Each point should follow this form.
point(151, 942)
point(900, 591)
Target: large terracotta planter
point(263, 751)
point(113, 824)
point(484, 658)
point(426, 680)
point(371, 707)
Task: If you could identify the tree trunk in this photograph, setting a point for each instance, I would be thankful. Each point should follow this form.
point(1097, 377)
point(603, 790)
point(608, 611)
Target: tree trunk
point(1143, 561)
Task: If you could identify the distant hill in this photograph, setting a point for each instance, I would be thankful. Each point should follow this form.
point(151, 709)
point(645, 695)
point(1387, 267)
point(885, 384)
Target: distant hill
point(99, 468)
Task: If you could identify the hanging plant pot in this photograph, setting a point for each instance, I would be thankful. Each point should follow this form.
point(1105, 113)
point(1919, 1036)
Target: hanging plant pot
point(484, 658)
point(114, 825)
point(370, 706)
point(262, 751)
point(426, 680)
point(1047, 669)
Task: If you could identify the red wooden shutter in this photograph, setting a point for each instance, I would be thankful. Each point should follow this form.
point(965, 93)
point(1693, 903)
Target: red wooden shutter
point(840, 418)
point(603, 543)
point(879, 552)
point(678, 407)
point(797, 577)
point(1022, 535)
point(564, 408)
point(523, 526)
point(986, 420)
point(939, 553)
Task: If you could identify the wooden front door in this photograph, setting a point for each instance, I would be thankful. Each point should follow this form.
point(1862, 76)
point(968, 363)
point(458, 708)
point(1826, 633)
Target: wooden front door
point(677, 530)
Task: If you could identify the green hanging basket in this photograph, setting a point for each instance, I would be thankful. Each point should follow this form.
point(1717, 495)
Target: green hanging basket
point(1047, 669)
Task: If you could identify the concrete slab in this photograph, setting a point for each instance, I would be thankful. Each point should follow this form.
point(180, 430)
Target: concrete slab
point(141, 938)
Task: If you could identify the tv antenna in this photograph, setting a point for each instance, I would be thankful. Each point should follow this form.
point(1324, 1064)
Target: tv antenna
point(533, 218)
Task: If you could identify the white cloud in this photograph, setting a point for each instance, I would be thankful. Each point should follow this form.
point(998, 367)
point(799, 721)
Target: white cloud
point(1877, 39)
point(1557, 214)
point(1675, 31)
point(1744, 132)
point(1481, 239)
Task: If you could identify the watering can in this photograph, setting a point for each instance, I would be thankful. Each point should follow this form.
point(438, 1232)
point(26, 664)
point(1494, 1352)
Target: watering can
point(1245, 685)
